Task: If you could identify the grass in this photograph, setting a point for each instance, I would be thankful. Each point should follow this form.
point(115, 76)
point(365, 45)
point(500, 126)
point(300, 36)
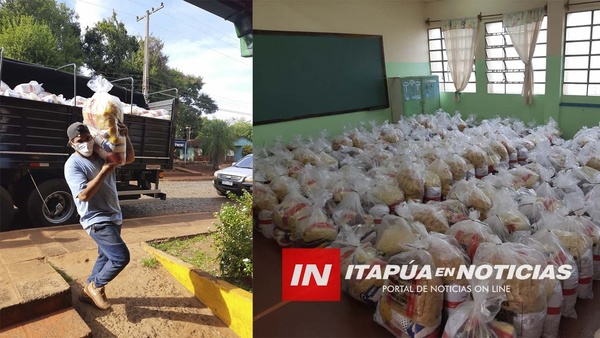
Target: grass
point(197, 250)
point(200, 252)
point(149, 262)
point(63, 274)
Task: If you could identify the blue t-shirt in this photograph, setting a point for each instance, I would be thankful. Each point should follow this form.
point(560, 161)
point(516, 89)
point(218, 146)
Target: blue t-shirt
point(104, 205)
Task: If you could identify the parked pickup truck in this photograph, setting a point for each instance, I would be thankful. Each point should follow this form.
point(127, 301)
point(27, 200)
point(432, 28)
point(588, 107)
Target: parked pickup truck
point(33, 146)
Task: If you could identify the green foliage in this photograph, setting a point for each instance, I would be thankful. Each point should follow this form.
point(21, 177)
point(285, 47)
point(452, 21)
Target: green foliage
point(216, 139)
point(242, 128)
point(61, 22)
point(194, 250)
point(108, 49)
point(149, 262)
point(246, 150)
point(25, 39)
point(234, 237)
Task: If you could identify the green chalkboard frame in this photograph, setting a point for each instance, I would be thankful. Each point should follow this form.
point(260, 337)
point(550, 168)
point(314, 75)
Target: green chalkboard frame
point(299, 75)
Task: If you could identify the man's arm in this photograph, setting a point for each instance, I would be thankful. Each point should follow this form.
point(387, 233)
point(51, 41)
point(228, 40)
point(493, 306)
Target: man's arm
point(129, 152)
point(94, 185)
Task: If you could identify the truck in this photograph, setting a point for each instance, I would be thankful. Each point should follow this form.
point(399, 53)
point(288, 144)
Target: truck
point(34, 146)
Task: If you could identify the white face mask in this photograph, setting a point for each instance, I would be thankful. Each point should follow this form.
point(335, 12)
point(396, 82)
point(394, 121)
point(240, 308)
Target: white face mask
point(86, 148)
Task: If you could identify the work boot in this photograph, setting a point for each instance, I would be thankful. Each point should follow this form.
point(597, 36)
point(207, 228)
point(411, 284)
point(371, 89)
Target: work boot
point(97, 295)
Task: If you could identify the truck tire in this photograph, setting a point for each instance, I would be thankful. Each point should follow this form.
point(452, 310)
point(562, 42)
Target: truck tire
point(61, 207)
point(7, 209)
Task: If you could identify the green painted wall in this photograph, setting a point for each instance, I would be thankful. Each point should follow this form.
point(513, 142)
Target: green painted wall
point(574, 118)
point(484, 105)
point(264, 135)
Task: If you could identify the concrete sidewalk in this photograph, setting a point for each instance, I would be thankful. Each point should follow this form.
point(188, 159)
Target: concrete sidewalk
point(30, 288)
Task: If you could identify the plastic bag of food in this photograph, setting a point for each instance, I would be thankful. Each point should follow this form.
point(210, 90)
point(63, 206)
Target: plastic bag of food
point(285, 213)
point(429, 214)
point(470, 234)
point(395, 234)
point(573, 235)
point(557, 254)
point(526, 302)
point(103, 112)
point(366, 290)
point(454, 210)
point(32, 87)
point(304, 155)
point(313, 178)
point(589, 155)
point(433, 187)
point(458, 166)
point(475, 319)
point(388, 192)
point(411, 180)
point(282, 185)
point(504, 217)
point(593, 201)
point(312, 226)
point(265, 223)
point(349, 211)
point(263, 197)
point(390, 134)
point(447, 254)
point(409, 312)
point(341, 141)
point(470, 194)
point(442, 169)
point(528, 177)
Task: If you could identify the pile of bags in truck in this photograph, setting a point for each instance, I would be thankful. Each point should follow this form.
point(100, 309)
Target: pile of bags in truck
point(34, 91)
point(439, 191)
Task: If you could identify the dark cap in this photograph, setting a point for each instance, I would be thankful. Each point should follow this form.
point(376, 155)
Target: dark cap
point(75, 129)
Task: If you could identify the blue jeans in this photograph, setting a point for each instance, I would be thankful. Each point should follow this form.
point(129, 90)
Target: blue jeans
point(113, 254)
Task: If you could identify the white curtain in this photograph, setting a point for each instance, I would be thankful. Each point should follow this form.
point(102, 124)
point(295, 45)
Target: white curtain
point(523, 28)
point(460, 37)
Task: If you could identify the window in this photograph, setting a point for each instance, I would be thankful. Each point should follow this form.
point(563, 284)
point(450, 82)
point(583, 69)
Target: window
point(582, 54)
point(505, 71)
point(438, 61)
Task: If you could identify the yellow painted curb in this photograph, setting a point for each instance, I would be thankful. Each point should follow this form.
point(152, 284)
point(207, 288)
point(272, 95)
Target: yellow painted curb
point(230, 303)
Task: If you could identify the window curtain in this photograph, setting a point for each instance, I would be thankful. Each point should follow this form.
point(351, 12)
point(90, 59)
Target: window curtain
point(460, 38)
point(523, 28)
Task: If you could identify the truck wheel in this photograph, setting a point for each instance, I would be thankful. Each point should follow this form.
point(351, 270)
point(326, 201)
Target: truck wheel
point(7, 209)
point(60, 209)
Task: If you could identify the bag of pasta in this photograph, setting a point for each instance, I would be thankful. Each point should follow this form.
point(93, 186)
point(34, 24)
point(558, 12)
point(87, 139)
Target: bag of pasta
point(265, 223)
point(447, 254)
point(475, 318)
point(526, 299)
point(470, 234)
point(102, 112)
point(454, 210)
point(408, 311)
point(431, 216)
point(411, 180)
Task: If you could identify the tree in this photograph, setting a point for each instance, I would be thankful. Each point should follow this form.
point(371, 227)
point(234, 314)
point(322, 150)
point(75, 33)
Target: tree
point(242, 128)
point(27, 40)
point(59, 20)
point(108, 49)
point(216, 139)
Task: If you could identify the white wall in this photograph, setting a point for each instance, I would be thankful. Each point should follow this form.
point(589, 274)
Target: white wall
point(401, 22)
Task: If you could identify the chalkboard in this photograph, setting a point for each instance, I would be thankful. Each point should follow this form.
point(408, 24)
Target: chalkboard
point(299, 75)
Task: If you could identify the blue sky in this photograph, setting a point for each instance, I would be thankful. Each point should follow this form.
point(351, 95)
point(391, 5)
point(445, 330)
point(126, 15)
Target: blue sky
point(196, 42)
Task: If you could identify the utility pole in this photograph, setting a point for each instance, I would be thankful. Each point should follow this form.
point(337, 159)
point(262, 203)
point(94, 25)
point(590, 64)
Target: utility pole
point(146, 43)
